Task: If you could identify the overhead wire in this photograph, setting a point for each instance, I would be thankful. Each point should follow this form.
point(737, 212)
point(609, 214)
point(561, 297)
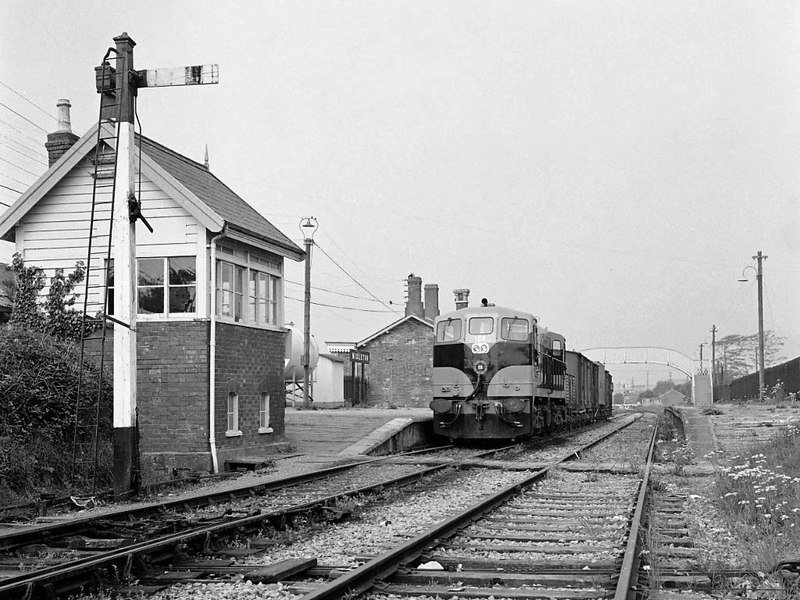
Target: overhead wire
point(34, 150)
point(353, 308)
point(358, 283)
point(26, 156)
point(322, 289)
point(24, 118)
point(28, 100)
point(37, 175)
point(22, 133)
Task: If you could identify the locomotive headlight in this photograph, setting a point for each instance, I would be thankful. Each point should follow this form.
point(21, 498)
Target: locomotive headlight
point(440, 405)
point(513, 405)
point(480, 367)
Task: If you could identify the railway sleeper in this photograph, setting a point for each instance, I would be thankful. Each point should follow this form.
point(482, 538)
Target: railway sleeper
point(457, 563)
point(490, 578)
point(498, 591)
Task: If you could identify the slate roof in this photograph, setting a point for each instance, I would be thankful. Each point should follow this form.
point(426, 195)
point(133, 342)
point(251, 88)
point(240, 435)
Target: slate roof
point(189, 183)
point(388, 328)
point(205, 185)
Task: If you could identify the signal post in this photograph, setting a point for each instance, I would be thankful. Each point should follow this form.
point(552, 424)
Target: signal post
point(127, 209)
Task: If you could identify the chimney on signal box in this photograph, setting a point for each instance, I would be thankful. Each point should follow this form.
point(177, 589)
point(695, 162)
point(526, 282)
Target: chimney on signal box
point(431, 301)
point(461, 298)
point(62, 139)
point(414, 302)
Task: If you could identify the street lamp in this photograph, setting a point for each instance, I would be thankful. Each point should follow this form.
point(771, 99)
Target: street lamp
point(759, 277)
point(308, 227)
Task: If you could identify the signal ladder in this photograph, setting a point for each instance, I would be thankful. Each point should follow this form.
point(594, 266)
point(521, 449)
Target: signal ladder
point(93, 401)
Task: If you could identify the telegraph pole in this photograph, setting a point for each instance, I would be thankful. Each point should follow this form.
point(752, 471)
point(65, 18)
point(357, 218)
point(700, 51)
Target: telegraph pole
point(713, 358)
point(127, 210)
point(759, 276)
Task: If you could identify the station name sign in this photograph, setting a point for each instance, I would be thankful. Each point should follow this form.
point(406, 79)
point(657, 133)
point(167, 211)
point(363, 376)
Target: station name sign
point(358, 356)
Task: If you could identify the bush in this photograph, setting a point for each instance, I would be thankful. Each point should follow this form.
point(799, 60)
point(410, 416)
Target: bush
point(38, 395)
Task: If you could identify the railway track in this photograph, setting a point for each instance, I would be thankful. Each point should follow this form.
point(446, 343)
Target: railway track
point(551, 535)
point(62, 557)
point(135, 544)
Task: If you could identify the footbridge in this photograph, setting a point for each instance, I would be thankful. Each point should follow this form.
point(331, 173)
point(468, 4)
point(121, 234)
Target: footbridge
point(642, 355)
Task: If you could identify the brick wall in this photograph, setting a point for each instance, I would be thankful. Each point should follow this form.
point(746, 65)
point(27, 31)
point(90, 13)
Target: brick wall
point(400, 366)
point(173, 386)
point(173, 380)
point(249, 363)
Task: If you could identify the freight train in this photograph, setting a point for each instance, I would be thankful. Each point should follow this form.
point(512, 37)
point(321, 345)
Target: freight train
point(498, 374)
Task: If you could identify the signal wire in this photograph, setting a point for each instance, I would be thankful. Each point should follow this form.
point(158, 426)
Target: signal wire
point(358, 283)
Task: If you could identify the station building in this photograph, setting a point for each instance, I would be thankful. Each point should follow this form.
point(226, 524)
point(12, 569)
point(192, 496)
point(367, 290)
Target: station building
point(210, 325)
point(400, 354)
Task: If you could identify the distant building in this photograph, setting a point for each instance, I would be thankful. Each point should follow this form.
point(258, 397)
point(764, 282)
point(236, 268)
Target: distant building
point(401, 354)
point(671, 398)
point(329, 382)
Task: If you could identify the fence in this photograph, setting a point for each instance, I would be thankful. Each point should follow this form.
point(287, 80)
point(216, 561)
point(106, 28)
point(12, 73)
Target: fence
point(746, 388)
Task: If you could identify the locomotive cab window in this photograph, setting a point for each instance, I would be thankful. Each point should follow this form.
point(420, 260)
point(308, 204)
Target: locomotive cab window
point(516, 330)
point(558, 349)
point(481, 325)
point(448, 331)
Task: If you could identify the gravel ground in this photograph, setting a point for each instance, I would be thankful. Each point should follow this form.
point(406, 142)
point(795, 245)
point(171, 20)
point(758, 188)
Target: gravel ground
point(377, 526)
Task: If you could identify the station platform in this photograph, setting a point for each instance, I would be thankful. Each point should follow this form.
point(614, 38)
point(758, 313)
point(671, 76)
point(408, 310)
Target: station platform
point(344, 432)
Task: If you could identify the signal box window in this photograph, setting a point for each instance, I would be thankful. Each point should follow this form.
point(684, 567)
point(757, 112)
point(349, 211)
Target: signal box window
point(166, 285)
point(448, 331)
point(516, 330)
point(481, 325)
point(233, 415)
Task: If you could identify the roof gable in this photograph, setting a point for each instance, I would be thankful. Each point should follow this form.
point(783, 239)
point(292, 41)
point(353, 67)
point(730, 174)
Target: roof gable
point(388, 328)
point(189, 183)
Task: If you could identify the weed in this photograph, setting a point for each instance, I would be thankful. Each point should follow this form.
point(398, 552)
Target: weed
point(759, 495)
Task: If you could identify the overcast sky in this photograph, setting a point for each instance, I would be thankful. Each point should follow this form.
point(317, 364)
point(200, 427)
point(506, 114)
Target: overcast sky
point(609, 166)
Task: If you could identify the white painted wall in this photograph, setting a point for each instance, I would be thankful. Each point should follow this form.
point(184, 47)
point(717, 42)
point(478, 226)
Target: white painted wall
point(54, 233)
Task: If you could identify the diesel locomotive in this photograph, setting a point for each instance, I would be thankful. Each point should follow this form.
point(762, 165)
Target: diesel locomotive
point(498, 374)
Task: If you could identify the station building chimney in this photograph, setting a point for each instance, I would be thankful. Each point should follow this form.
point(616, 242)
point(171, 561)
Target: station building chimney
point(414, 301)
point(431, 301)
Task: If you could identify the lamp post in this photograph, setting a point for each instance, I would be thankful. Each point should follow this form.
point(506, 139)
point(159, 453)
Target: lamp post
point(308, 227)
point(759, 278)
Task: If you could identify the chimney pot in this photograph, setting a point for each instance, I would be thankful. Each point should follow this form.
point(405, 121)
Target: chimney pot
point(62, 139)
point(461, 298)
point(64, 122)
